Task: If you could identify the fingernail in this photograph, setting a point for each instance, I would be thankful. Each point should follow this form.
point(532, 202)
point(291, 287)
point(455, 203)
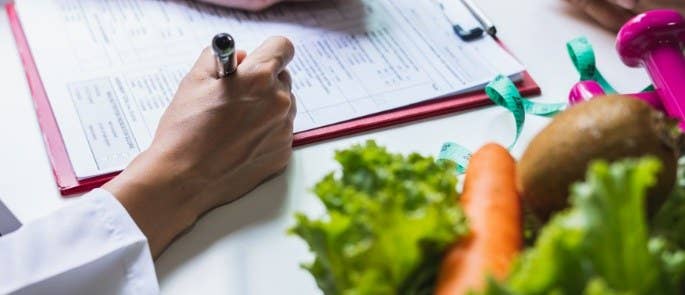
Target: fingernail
point(626, 4)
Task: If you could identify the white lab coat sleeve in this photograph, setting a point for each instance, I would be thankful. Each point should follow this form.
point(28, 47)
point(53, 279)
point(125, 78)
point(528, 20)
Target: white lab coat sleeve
point(91, 246)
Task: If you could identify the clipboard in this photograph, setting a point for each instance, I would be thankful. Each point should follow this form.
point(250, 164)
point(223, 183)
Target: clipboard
point(69, 184)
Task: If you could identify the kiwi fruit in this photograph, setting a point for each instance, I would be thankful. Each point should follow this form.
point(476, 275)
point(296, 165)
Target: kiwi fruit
point(610, 128)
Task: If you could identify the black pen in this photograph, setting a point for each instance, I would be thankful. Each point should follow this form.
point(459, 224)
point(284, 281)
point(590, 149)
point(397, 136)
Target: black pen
point(224, 50)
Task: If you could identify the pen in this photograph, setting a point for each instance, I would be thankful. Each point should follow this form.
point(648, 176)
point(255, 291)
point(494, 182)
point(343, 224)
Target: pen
point(484, 21)
point(224, 50)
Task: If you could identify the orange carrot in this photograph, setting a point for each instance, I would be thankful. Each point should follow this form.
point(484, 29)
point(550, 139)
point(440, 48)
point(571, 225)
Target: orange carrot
point(493, 208)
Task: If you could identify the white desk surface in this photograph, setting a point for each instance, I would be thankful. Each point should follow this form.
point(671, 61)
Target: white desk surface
point(242, 248)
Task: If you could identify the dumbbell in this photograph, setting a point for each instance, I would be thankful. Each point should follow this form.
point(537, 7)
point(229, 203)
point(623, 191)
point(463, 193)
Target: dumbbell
point(652, 40)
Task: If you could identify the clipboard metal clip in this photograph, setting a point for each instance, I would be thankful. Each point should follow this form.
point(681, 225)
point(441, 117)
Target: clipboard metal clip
point(470, 10)
point(472, 34)
point(459, 29)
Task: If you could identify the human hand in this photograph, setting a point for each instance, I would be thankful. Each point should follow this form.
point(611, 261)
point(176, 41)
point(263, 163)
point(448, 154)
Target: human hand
point(218, 139)
point(252, 5)
point(612, 14)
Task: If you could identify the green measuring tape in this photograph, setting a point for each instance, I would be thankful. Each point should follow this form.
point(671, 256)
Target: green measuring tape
point(503, 92)
point(583, 57)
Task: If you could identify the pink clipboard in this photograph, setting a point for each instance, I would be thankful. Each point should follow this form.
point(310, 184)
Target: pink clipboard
point(69, 184)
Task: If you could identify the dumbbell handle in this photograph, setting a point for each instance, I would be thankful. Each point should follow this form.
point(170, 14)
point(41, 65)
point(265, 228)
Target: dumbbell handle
point(666, 66)
point(586, 90)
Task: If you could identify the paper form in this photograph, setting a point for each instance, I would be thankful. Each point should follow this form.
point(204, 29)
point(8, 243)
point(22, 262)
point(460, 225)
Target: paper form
point(110, 67)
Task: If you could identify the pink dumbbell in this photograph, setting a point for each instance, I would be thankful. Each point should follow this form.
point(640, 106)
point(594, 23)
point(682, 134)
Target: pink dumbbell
point(654, 40)
point(586, 90)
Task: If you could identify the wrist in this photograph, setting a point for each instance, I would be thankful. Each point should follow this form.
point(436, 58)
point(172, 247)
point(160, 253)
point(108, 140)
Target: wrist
point(161, 200)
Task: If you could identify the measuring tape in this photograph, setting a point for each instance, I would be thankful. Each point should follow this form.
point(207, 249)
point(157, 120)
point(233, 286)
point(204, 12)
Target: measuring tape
point(503, 92)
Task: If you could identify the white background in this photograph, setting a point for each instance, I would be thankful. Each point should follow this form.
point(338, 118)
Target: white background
point(242, 248)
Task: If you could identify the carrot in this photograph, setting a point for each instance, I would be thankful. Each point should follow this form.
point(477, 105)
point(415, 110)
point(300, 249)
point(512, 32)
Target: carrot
point(493, 208)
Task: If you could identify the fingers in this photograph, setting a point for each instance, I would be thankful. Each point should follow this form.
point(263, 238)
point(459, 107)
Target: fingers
point(240, 56)
point(272, 56)
point(292, 113)
point(263, 71)
point(286, 80)
point(605, 13)
point(206, 65)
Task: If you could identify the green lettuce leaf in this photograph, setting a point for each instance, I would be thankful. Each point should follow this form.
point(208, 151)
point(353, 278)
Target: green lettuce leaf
point(389, 220)
point(669, 221)
point(668, 230)
point(601, 244)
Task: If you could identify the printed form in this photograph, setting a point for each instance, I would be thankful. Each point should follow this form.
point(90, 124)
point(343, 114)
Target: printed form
point(111, 67)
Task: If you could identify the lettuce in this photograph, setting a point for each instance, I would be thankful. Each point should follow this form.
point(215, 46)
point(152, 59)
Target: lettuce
point(389, 220)
point(601, 244)
point(668, 230)
point(669, 222)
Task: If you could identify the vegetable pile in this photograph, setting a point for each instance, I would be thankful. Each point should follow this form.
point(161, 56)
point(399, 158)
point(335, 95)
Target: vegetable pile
point(596, 194)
